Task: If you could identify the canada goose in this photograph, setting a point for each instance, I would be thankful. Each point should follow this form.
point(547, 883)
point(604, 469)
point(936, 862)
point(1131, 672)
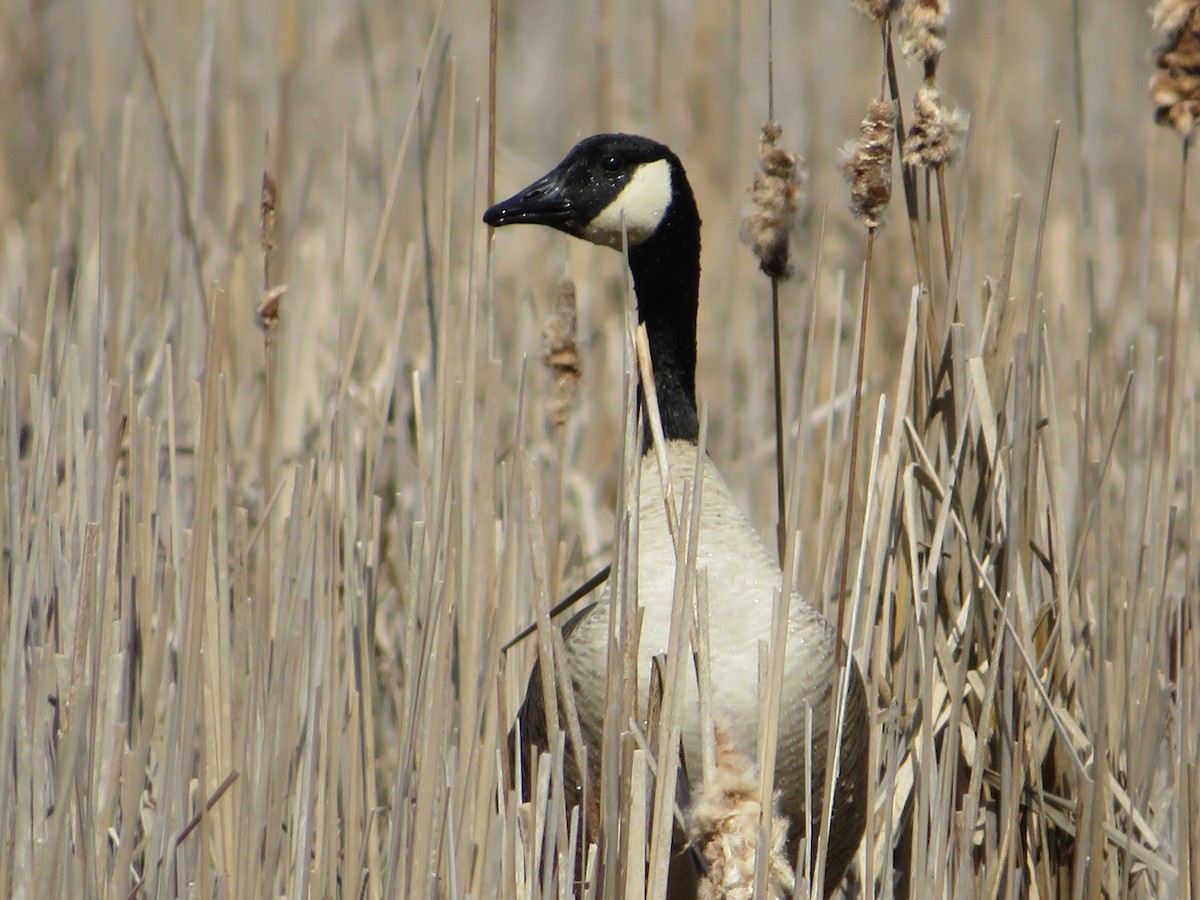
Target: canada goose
point(616, 186)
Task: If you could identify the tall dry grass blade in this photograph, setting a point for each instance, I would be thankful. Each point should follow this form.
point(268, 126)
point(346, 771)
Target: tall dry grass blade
point(1036, 314)
point(1176, 309)
point(1086, 177)
point(186, 215)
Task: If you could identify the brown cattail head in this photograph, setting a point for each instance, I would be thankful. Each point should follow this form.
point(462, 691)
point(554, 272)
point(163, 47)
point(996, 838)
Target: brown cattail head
point(867, 163)
point(724, 825)
point(560, 354)
point(774, 204)
point(272, 296)
point(933, 138)
point(1175, 85)
point(266, 211)
point(923, 29)
point(875, 10)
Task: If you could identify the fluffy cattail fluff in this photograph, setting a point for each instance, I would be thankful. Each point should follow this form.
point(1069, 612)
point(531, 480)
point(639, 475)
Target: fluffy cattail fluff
point(1175, 85)
point(725, 826)
point(867, 163)
point(875, 10)
point(560, 354)
point(923, 29)
point(1171, 14)
point(933, 138)
point(774, 203)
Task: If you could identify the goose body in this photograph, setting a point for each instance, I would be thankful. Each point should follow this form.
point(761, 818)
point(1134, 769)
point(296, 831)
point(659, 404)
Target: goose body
point(733, 558)
point(616, 188)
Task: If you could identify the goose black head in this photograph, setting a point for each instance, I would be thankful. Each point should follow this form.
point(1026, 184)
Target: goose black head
point(616, 186)
point(608, 186)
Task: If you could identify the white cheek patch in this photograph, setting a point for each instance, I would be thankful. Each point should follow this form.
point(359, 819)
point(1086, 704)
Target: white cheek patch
point(639, 208)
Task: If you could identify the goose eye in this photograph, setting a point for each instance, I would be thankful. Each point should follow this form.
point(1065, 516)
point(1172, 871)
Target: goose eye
point(612, 163)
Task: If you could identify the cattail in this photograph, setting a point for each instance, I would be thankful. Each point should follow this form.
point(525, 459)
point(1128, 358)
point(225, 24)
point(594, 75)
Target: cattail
point(268, 305)
point(774, 203)
point(266, 212)
point(1171, 14)
point(1175, 85)
point(933, 139)
point(875, 10)
point(725, 819)
point(867, 163)
point(560, 354)
point(922, 29)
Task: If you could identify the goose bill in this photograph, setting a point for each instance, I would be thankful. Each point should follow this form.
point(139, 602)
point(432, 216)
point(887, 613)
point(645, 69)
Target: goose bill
point(545, 202)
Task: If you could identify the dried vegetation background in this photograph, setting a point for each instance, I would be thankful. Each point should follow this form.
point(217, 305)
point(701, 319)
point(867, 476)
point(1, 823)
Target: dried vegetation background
point(253, 649)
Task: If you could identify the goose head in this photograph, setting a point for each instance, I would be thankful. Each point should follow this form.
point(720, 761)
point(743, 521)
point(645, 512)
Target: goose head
point(607, 187)
point(628, 191)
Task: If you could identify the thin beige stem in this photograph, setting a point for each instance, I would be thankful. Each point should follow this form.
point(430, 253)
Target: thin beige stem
point(908, 174)
point(493, 50)
point(855, 415)
point(780, 488)
point(555, 538)
point(1177, 293)
point(185, 206)
point(944, 211)
point(264, 570)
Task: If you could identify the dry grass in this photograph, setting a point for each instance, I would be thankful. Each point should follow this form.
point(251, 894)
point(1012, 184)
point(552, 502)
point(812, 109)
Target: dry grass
point(193, 703)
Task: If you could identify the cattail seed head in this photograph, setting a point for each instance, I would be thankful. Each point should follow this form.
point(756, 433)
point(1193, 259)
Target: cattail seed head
point(560, 354)
point(724, 824)
point(933, 138)
point(1175, 85)
point(923, 29)
point(272, 295)
point(1169, 15)
point(266, 211)
point(875, 10)
point(774, 204)
point(867, 163)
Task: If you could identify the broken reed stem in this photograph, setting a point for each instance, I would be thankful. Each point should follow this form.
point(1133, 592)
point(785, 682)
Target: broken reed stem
point(1177, 292)
point(855, 415)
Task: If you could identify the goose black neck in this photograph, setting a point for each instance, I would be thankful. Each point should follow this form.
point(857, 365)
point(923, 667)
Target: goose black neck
point(666, 279)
